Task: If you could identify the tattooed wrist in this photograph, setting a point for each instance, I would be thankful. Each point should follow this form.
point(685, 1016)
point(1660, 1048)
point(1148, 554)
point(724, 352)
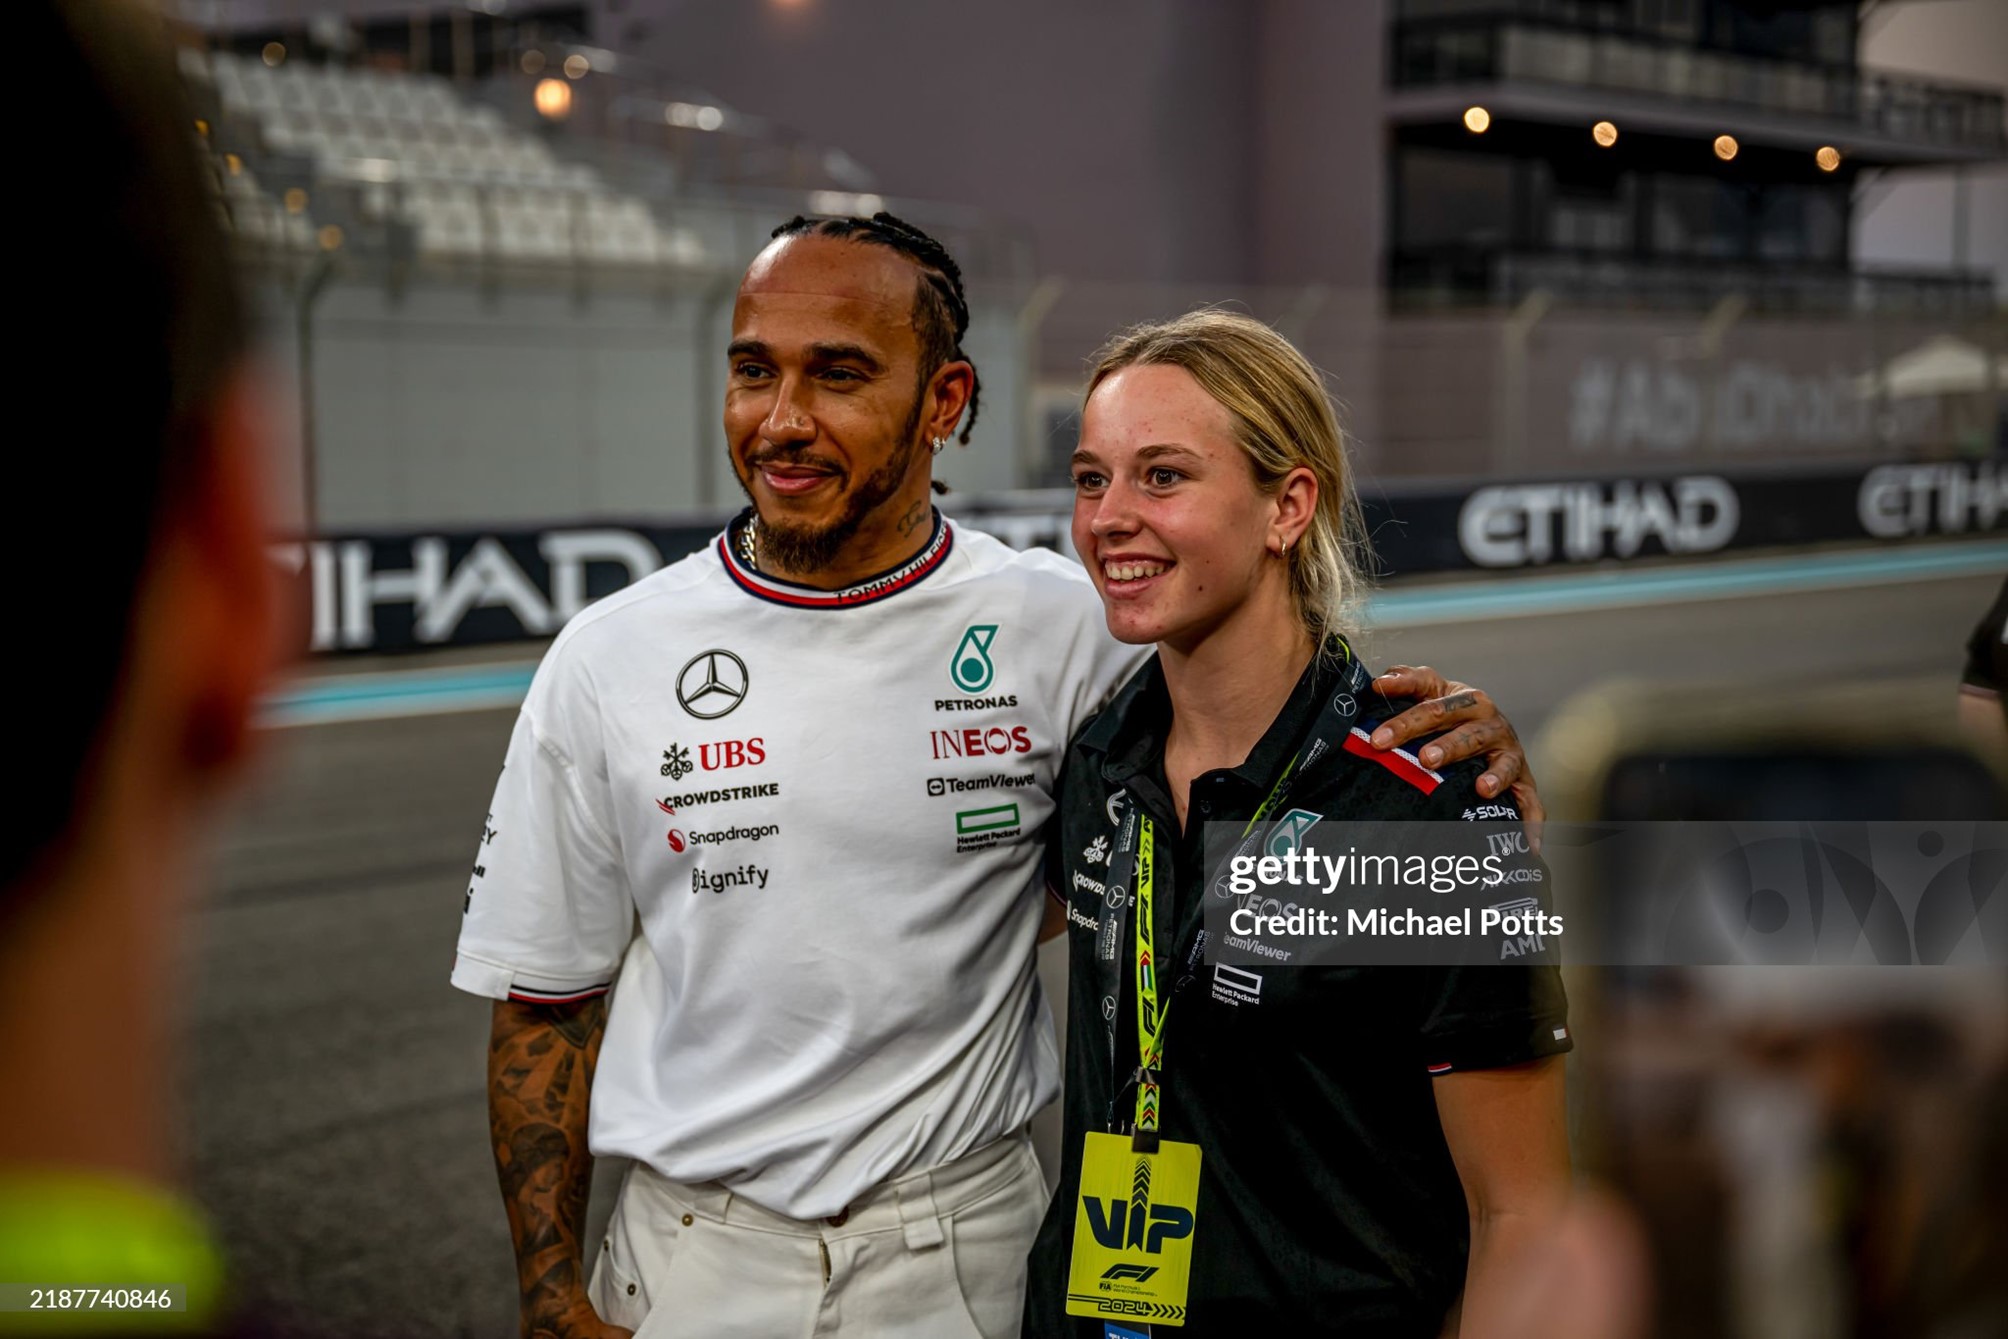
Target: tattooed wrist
point(540, 1069)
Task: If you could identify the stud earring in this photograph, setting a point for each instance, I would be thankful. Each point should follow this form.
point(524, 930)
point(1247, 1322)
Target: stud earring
point(940, 445)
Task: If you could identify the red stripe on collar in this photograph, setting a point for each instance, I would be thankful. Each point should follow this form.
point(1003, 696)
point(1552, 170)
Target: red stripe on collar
point(872, 589)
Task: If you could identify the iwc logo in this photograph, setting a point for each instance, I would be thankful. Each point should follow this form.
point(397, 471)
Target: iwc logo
point(712, 684)
point(971, 668)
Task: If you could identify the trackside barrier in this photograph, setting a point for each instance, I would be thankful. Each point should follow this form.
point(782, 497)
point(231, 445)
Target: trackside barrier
point(412, 590)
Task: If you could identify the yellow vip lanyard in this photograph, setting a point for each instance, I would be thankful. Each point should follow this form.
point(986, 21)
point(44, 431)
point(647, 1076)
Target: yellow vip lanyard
point(1135, 841)
point(1149, 1017)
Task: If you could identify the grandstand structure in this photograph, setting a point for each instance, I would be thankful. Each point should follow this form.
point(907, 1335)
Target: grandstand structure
point(408, 162)
point(559, 154)
point(1624, 230)
point(504, 297)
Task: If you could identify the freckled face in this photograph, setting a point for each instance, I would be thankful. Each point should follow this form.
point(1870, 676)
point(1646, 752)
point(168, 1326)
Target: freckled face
point(1167, 515)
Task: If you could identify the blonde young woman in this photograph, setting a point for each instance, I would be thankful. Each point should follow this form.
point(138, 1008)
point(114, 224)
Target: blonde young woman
point(1372, 1146)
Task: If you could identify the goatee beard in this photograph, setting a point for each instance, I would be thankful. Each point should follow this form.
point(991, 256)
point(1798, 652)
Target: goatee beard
point(804, 550)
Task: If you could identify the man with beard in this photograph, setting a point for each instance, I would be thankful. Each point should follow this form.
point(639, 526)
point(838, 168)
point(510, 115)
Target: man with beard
point(812, 763)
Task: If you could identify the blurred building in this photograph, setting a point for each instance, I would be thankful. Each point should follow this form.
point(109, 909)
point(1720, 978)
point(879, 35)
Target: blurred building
point(1527, 238)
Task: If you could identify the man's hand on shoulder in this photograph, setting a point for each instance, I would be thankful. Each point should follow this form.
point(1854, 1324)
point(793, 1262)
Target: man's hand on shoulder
point(1474, 726)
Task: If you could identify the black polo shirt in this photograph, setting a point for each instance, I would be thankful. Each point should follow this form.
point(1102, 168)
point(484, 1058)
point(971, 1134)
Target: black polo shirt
point(1328, 1203)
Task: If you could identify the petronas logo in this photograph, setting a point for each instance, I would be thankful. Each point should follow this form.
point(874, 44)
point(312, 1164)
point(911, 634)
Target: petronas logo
point(971, 669)
point(1290, 831)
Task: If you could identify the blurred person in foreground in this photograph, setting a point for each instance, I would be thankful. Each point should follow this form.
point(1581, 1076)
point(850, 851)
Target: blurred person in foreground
point(812, 763)
point(1983, 710)
point(156, 628)
point(1348, 1151)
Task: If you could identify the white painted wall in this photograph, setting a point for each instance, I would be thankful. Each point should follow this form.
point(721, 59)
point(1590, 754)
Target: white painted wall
point(451, 406)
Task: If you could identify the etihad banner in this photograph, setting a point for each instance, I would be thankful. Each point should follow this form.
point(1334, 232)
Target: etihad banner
point(393, 592)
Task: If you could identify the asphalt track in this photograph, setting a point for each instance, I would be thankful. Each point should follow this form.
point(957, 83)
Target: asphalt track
point(333, 1103)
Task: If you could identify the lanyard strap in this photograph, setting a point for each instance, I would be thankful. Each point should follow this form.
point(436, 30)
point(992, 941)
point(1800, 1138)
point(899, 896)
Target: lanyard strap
point(1149, 1017)
point(1137, 843)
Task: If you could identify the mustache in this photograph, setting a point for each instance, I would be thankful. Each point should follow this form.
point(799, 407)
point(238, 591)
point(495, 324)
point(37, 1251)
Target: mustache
point(793, 456)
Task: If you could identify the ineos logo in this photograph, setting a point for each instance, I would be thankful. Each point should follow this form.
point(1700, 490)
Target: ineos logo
point(712, 684)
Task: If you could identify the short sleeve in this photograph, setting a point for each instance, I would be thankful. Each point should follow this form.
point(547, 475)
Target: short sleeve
point(1510, 1008)
point(548, 912)
point(1053, 861)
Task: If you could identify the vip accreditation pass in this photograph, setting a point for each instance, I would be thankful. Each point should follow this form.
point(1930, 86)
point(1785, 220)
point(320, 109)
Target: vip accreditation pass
point(1133, 1228)
point(53, 1299)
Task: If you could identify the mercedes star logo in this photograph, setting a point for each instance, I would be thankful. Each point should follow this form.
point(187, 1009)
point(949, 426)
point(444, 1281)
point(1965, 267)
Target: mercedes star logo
point(712, 684)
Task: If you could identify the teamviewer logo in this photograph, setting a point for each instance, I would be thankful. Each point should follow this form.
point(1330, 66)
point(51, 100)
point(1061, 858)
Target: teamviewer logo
point(936, 786)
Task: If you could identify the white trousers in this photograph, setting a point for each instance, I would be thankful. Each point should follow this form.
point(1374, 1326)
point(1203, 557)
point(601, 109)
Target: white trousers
point(936, 1255)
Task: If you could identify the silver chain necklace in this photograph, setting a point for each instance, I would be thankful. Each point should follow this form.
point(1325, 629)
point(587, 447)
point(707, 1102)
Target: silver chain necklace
point(749, 546)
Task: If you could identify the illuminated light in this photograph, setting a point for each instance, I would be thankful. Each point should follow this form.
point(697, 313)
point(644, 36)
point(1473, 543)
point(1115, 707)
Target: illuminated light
point(202, 127)
point(330, 238)
point(1604, 133)
point(577, 66)
point(274, 53)
point(554, 99)
point(1828, 158)
point(296, 201)
point(533, 62)
point(843, 202)
point(1477, 120)
point(693, 116)
point(233, 164)
point(1726, 147)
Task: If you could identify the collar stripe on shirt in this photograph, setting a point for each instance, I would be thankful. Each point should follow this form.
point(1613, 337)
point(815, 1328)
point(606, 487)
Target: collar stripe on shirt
point(880, 587)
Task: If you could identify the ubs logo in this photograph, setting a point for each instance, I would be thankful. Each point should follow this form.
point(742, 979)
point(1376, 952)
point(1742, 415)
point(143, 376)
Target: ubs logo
point(731, 753)
point(712, 684)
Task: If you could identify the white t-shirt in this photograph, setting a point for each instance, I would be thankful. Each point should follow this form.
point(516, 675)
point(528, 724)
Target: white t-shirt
point(824, 810)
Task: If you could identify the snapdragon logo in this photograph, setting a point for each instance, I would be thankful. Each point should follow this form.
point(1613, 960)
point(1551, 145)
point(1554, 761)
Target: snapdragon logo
point(735, 834)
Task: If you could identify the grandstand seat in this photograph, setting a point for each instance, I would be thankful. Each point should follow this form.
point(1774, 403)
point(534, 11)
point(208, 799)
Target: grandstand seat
point(460, 173)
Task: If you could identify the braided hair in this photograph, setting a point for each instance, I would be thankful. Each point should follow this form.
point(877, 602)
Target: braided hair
point(940, 309)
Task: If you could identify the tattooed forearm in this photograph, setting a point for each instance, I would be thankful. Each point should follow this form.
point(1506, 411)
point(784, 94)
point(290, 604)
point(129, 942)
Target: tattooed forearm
point(540, 1073)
